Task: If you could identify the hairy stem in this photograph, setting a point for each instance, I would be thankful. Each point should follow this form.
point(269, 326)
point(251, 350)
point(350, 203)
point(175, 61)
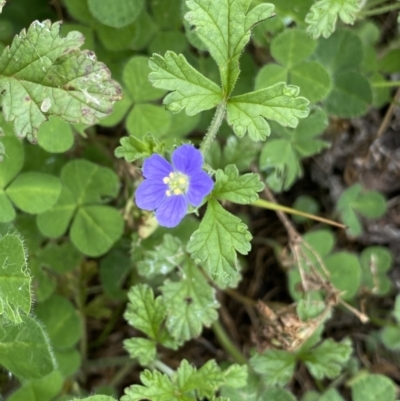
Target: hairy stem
point(227, 343)
point(380, 10)
point(214, 127)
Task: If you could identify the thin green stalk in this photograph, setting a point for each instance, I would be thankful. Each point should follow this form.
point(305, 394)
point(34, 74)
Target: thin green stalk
point(227, 344)
point(386, 84)
point(161, 366)
point(274, 206)
point(380, 10)
point(214, 127)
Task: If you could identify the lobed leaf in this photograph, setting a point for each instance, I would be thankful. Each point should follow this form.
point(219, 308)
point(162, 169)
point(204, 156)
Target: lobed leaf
point(49, 75)
point(237, 189)
point(225, 28)
point(323, 15)
point(190, 303)
point(215, 243)
point(281, 103)
point(373, 387)
point(190, 89)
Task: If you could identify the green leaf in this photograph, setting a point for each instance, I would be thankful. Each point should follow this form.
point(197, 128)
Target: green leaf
point(291, 47)
point(331, 395)
point(135, 76)
point(225, 28)
point(163, 259)
point(237, 189)
point(390, 336)
point(390, 62)
point(345, 273)
point(375, 262)
point(323, 15)
point(34, 193)
point(61, 258)
point(163, 41)
point(114, 269)
point(89, 182)
point(190, 89)
point(55, 221)
point(372, 388)
point(396, 312)
point(148, 118)
point(95, 398)
point(270, 75)
point(181, 387)
point(168, 15)
point(350, 96)
point(281, 103)
point(13, 160)
point(105, 225)
point(55, 135)
point(343, 51)
point(68, 361)
point(370, 204)
point(119, 112)
point(328, 359)
point(7, 211)
point(133, 149)
point(116, 39)
point(306, 204)
point(116, 15)
point(15, 281)
point(278, 394)
point(190, 303)
point(43, 282)
point(275, 366)
point(49, 75)
point(142, 349)
point(147, 314)
point(313, 80)
point(25, 349)
point(215, 243)
point(61, 320)
point(44, 389)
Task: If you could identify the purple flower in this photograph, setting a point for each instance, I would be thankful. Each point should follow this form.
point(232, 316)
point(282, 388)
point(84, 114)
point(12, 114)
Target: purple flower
point(170, 188)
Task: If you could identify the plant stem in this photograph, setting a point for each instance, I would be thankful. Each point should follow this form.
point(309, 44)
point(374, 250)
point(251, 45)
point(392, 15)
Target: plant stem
point(386, 84)
point(161, 366)
point(380, 10)
point(274, 206)
point(227, 344)
point(214, 127)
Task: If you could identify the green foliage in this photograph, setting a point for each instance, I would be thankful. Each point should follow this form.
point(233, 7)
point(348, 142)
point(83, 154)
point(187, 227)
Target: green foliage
point(85, 185)
point(281, 103)
point(190, 303)
point(49, 75)
point(224, 27)
point(390, 334)
point(216, 242)
point(354, 201)
point(25, 349)
point(373, 387)
point(239, 189)
point(15, 280)
point(186, 385)
point(328, 359)
point(322, 17)
point(280, 157)
point(275, 366)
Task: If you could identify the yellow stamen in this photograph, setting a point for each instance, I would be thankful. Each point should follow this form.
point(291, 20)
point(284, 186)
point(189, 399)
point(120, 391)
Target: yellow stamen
point(171, 175)
point(168, 192)
point(182, 180)
point(177, 191)
point(166, 180)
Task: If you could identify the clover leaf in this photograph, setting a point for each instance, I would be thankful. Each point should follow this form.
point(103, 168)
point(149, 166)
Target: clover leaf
point(49, 75)
point(85, 185)
point(354, 201)
point(291, 49)
point(32, 192)
point(281, 156)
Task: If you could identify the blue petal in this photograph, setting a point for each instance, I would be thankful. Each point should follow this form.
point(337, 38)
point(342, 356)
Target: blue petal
point(150, 194)
point(172, 211)
point(187, 159)
point(156, 167)
point(201, 184)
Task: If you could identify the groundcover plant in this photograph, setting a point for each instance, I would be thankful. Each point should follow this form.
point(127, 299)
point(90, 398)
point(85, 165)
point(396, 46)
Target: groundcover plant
point(199, 200)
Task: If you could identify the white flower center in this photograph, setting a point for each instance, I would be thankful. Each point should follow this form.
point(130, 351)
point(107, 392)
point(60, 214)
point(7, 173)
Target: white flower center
point(178, 183)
